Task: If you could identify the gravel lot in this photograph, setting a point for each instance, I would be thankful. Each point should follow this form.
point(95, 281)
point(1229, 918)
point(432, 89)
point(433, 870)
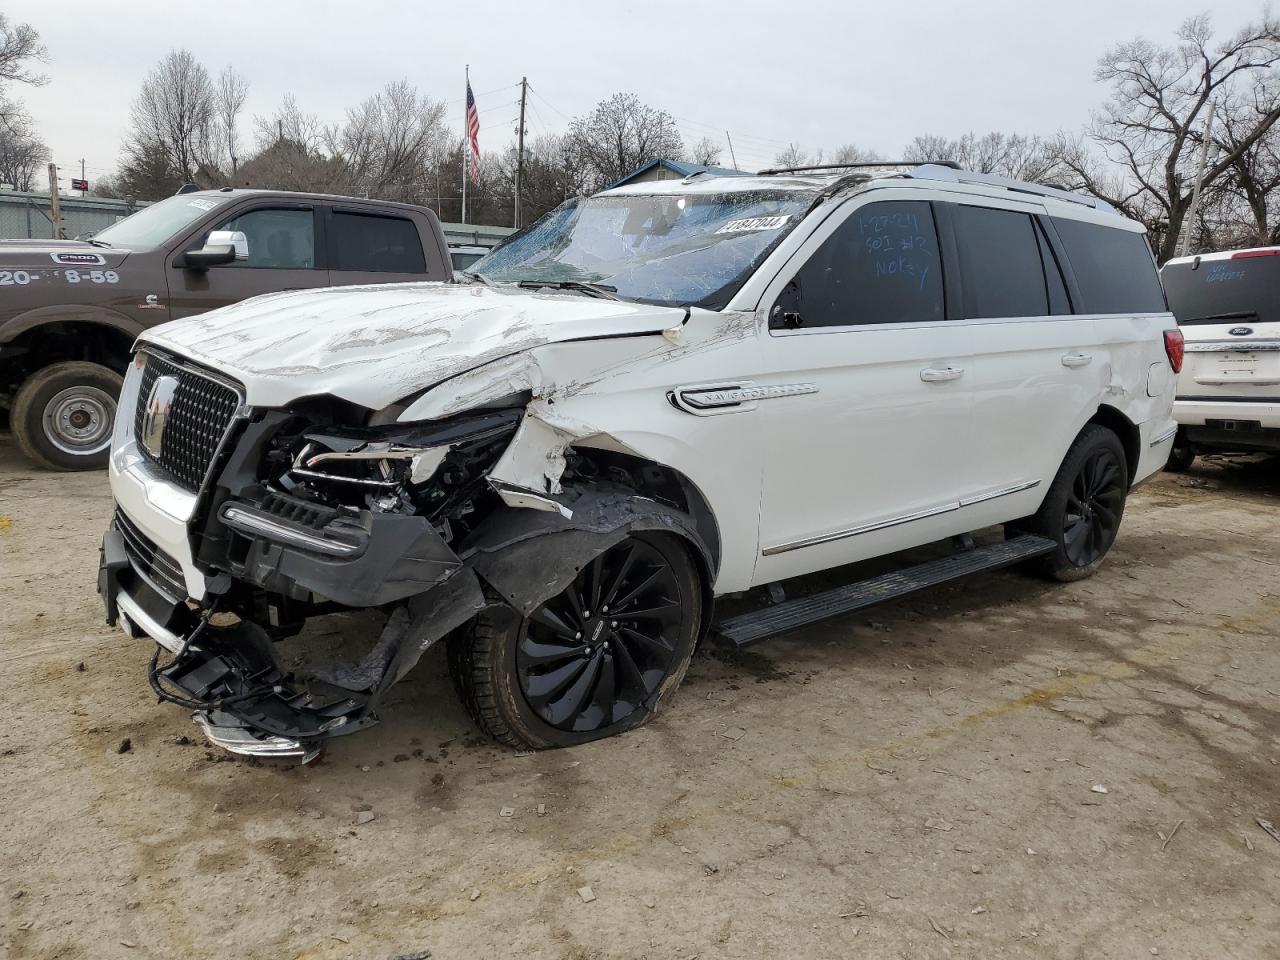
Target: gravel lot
point(924, 781)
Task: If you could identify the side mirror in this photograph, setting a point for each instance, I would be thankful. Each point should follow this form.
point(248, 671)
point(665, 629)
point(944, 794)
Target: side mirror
point(223, 246)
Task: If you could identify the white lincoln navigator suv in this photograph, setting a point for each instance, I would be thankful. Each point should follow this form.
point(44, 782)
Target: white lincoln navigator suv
point(654, 396)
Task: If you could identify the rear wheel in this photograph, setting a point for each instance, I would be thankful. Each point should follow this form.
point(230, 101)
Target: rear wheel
point(594, 660)
point(62, 415)
point(1081, 512)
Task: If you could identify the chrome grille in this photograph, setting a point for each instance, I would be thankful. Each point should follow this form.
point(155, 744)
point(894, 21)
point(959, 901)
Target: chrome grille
point(198, 420)
point(164, 572)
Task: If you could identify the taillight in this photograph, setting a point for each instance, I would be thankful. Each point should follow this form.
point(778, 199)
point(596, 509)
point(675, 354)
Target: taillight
point(1260, 252)
point(1175, 345)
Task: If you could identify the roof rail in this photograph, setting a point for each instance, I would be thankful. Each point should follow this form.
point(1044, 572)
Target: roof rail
point(858, 165)
point(950, 173)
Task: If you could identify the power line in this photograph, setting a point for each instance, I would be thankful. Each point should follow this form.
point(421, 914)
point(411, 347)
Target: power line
point(549, 103)
point(486, 93)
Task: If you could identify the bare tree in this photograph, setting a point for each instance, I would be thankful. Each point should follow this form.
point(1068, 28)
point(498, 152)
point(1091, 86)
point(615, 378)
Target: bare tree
point(1152, 126)
point(706, 152)
point(389, 139)
point(794, 156)
point(290, 122)
point(852, 153)
point(174, 117)
point(21, 151)
point(20, 46)
point(22, 154)
point(229, 96)
point(1239, 207)
point(1007, 154)
point(288, 165)
point(620, 135)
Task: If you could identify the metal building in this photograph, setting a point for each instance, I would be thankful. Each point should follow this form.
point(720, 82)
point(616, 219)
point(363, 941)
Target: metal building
point(26, 215)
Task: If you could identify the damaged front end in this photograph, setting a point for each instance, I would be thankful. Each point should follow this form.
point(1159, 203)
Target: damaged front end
point(313, 512)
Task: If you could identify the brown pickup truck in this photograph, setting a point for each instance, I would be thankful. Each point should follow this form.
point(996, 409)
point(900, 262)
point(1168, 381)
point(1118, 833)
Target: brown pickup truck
point(70, 310)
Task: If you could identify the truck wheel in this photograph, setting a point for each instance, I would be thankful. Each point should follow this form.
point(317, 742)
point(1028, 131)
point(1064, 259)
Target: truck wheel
point(62, 415)
point(592, 661)
point(1084, 505)
point(1181, 455)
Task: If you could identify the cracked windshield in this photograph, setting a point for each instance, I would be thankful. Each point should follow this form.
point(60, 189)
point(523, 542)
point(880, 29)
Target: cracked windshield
point(691, 249)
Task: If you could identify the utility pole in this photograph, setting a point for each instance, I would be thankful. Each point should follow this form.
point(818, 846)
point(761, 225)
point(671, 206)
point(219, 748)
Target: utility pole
point(1194, 210)
point(524, 93)
point(55, 214)
point(82, 179)
point(731, 156)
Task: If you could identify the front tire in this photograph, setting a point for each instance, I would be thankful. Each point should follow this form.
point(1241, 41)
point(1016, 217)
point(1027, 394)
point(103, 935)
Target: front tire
point(1081, 512)
point(63, 415)
point(591, 662)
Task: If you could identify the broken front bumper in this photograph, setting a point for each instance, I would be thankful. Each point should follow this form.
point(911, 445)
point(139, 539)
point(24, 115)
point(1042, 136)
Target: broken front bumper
point(228, 673)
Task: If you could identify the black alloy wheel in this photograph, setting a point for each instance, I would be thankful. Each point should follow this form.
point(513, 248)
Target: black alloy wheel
point(1094, 505)
point(594, 660)
point(1082, 510)
point(591, 656)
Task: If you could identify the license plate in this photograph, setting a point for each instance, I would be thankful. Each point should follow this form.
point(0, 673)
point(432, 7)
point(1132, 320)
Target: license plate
point(1238, 366)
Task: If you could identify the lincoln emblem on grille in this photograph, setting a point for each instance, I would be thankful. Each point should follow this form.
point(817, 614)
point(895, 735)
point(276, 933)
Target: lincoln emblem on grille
point(159, 402)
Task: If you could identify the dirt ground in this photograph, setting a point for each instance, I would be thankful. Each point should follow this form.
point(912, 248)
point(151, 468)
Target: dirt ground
point(1007, 768)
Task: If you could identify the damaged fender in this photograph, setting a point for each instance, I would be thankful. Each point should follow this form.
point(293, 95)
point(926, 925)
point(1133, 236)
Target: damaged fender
point(528, 557)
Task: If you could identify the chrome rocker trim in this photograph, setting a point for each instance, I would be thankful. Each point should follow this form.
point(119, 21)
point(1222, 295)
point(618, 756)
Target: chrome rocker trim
point(896, 521)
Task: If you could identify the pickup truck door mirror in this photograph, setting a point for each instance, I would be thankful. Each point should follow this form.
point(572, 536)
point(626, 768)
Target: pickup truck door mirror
point(223, 246)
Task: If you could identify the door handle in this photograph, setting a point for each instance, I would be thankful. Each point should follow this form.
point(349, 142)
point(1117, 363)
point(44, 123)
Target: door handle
point(941, 374)
point(1076, 359)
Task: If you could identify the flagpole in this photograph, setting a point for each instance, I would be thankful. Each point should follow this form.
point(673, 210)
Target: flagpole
point(466, 152)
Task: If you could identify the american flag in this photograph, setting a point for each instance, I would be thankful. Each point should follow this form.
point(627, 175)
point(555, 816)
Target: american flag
point(473, 134)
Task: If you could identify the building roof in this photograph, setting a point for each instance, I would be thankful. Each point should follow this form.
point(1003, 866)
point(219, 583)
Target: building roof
point(681, 168)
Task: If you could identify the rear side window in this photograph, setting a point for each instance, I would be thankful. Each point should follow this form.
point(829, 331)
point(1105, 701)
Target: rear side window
point(880, 266)
point(1114, 268)
point(374, 244)
point(1000, 263)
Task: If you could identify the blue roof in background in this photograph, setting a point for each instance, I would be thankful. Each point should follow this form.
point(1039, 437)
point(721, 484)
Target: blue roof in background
point(681, 168)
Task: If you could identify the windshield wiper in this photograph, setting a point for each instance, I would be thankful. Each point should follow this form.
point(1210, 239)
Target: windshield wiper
point(1238, 315)
point(600, 290)
point(478, 277)
point(96, 242)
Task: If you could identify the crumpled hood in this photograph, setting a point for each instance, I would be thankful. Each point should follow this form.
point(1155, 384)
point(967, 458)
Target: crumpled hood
point(374, 345)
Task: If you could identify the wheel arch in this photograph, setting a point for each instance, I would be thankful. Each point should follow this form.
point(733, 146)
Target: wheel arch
point(527, 556)
point(1126, 430)
point(40, 338)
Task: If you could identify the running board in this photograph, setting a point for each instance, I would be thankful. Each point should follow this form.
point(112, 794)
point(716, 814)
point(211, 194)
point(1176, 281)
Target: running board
point(748, 628)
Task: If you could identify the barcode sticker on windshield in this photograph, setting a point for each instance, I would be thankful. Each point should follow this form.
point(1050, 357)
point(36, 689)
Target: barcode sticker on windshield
point(202, 204)
point(754, 223)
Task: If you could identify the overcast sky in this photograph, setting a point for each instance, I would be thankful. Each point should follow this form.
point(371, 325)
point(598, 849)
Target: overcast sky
point(819, 74)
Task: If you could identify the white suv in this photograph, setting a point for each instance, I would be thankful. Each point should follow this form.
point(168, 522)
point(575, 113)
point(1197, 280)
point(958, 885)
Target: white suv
point(1228, 397)
point(654, 396)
